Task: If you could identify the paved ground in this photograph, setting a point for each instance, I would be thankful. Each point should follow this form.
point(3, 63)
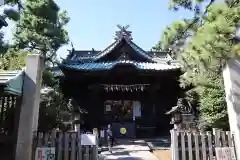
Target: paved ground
point(134, 150)
point(128, 155)
point(163, 154)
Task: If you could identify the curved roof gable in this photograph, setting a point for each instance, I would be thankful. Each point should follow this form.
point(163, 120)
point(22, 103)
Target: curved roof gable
point(137, 50)
point(99, 56)
point(123, 48)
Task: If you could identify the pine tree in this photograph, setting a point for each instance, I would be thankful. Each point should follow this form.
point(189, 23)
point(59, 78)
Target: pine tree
point(41, 28)
point(206, 43)
point(10, 13)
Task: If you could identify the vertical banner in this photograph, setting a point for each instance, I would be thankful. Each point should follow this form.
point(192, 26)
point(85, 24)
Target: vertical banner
point(136, 109)
point(45, 153)
point(225, 153)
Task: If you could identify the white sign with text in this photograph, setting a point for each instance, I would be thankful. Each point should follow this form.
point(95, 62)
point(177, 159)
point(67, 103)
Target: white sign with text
point(225, 153)
point(45, 153)
point(88, 139)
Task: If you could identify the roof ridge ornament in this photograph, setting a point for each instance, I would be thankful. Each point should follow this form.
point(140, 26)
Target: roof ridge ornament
point(123, 33)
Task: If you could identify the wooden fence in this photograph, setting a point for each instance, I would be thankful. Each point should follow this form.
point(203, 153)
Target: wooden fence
point(67, 146)
point(189, 145)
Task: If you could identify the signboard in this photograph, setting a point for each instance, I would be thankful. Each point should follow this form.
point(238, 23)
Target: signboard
point(88, 139)
point(136, 109)
point(45, 153)
point(225, 153)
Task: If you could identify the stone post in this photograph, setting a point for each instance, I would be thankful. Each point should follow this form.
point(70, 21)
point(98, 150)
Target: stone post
point(28, 119)
point(231, 74)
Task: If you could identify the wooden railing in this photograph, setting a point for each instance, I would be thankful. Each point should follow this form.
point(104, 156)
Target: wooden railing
point(66, 146)
point(193, 145)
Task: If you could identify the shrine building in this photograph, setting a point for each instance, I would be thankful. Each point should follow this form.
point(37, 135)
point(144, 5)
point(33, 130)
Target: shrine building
point(123, 85)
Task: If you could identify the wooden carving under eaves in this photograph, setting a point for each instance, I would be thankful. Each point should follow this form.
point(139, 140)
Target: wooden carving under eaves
point(124, 56)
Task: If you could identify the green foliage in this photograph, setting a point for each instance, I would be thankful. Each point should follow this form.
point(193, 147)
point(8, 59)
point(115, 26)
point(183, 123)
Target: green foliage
point(168, 39)
point(203, 47)
point(11, 11)
point(191, 5)
point(3, 46)
point(204, 58)
point(51, 106)
point(41, 28)
point(12, 14)
point(213, 106)
point(13, 60)
point(187, 4)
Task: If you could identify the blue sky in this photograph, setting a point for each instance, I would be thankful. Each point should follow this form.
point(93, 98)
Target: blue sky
point(93, 22)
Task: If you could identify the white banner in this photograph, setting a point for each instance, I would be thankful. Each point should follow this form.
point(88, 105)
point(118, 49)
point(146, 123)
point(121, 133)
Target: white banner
point(88, 139)
point(225, 153)
point(45, 153)
point(136, 109)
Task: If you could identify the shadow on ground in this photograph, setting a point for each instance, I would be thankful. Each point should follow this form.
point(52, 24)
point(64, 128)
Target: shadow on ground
point(131, 142)
point(123, 153)
point(119, 155)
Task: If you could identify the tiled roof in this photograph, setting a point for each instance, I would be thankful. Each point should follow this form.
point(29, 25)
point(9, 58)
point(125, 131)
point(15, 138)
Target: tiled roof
point(12, 81)
point(88, 54)
point(137, 49)
point(91, 56)
point(109, 65)
point(108, 49)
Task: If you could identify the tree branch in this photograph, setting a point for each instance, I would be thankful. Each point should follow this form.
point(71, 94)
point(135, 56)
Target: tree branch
point(192, 23)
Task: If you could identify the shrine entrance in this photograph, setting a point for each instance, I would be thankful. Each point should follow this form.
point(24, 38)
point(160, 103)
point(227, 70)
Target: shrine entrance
point(123, 85)
point(119, 110)
point(121, 114)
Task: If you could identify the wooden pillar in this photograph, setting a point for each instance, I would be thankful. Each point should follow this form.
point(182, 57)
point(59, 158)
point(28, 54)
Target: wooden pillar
point(28, 120)
point(231, 74)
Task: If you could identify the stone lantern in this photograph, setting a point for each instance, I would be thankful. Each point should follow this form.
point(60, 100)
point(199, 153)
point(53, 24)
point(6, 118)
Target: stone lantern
point(183, 115)
point(176, 117)
point(74, 114)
